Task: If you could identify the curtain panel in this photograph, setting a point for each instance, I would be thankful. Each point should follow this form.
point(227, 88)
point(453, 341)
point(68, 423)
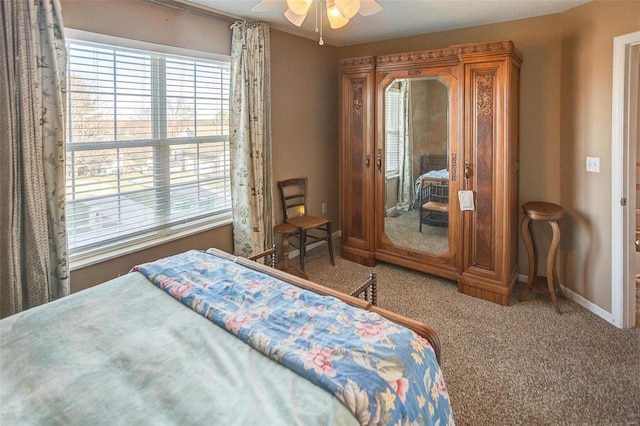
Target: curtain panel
point(406, 191)
point(250, 138)
point(33, 255)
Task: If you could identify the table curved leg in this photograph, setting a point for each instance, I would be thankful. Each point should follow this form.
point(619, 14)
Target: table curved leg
point(525, 230)
point(557, 284)
point(551, 264)
point(556, 280)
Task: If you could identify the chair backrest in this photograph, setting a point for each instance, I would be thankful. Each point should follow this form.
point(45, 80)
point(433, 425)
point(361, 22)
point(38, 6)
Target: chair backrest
point(425, 190)
point(439, 191)
point(293, 195)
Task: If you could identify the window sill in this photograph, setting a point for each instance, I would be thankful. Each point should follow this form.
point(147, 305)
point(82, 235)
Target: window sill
point(95, 258)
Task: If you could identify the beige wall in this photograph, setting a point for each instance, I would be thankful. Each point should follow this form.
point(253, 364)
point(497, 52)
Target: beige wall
point(304, 119)
point(429, 123)
point(86, 277)
point(585, 130)
point(565, 112)
point(140, 20)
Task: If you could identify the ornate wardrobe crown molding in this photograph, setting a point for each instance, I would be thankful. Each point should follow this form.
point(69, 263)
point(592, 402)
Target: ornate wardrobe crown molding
point(452, 54)
point(354, 63)
point(447, 56)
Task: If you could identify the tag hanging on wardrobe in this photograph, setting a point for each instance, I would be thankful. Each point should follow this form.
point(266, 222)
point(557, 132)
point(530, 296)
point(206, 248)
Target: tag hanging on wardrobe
point(466, 200)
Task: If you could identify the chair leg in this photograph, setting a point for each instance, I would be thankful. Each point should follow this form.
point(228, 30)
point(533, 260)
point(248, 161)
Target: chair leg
point(330, 243)
point(303, 247)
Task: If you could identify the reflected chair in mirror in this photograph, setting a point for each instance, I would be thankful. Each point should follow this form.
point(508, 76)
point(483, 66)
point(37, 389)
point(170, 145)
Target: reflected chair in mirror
point(434, 202)
point(310, 229)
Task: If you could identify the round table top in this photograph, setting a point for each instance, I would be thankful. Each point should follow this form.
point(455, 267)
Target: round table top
point(285, 228)
point(540, 210)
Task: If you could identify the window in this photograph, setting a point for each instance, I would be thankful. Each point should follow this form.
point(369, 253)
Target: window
point(393, 115)
point(147, 145)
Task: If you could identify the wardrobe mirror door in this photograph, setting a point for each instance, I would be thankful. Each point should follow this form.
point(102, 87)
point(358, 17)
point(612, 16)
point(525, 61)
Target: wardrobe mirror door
point(416, 139)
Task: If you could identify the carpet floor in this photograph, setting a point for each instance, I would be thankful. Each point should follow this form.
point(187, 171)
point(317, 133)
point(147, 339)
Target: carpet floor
point(521, 364)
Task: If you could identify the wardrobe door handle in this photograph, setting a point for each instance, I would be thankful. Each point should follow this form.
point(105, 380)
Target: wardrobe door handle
point(367, 160)
point(379, 161)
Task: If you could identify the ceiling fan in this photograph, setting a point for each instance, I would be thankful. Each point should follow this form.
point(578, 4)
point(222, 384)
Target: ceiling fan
point(338, 11)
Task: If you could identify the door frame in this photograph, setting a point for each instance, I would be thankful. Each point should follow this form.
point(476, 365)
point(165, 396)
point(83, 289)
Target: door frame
point(623, 195)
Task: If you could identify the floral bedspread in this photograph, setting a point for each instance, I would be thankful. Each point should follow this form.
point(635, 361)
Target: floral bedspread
point(383, 372)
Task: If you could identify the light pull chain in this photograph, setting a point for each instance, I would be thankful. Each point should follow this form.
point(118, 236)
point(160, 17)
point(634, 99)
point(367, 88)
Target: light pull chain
point(318, 5)
point(316, 30)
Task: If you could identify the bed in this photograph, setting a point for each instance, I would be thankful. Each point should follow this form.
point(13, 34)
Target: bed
point(209, 338)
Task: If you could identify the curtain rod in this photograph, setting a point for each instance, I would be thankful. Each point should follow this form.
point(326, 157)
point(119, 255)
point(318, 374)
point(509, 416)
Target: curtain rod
point(220, 16)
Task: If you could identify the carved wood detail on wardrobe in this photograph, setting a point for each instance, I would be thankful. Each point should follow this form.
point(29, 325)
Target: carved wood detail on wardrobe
point(482, 84)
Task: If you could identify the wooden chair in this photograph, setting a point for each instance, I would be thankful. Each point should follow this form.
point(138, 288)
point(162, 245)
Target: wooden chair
point(434, 203)
point(310, 229)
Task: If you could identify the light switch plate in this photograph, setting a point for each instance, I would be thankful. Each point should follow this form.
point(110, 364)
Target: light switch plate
point(593, 164)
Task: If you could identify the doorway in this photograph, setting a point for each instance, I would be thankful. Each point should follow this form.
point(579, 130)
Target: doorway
point(626, 76)
point(636, 175)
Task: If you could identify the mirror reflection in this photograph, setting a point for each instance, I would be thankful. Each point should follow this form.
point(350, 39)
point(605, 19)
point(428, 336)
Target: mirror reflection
point(417, 175)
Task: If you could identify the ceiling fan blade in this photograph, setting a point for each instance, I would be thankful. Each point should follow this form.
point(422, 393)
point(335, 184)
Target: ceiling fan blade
point(265, 5)
point(369, 7)
point(296, 20)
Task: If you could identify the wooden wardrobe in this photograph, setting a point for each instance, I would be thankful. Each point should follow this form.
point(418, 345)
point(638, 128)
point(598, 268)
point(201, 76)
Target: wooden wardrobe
point(458, 103)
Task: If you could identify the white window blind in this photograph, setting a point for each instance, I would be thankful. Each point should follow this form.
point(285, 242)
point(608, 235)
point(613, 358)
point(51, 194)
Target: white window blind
point(147, 145)
point(393, 114)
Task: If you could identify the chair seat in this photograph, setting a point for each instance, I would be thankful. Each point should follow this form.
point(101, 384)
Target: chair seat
point(436, 206)
point(308, 222)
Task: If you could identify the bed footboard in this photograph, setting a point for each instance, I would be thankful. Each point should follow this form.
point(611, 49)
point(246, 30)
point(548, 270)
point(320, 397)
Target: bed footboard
point(273, 252)
point(367, 291)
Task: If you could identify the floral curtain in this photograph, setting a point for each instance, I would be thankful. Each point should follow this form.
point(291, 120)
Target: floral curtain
point(250, 138)
point(406, 194)
point(33, 255)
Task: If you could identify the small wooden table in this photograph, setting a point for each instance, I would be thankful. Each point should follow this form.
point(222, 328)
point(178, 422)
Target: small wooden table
point(286, 229)
point(551, 213)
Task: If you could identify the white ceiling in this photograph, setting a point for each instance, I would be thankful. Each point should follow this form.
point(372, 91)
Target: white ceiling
point(399, 18)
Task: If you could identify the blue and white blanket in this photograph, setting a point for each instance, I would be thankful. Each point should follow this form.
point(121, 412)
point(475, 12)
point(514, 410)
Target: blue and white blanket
point(383, 372)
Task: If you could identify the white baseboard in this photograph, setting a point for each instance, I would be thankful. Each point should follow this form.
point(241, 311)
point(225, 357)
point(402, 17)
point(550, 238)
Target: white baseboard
point(588, 305)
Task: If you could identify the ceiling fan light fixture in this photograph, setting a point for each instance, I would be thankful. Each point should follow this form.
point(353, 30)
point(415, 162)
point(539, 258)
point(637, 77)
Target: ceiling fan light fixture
point(348, 8)
point(336, 20)
point(294, 18)
point(369, 7)
point(299, 7)
point(339, 12)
